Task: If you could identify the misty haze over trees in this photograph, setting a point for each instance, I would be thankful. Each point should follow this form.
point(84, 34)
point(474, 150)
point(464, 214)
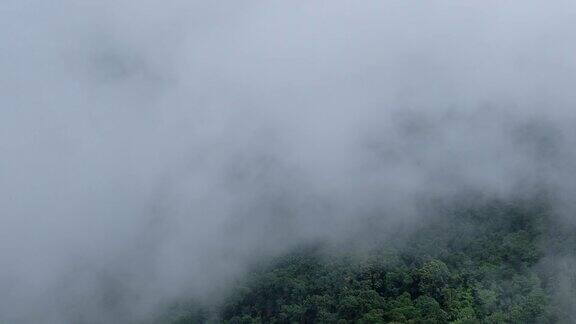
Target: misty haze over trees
point(287, 161)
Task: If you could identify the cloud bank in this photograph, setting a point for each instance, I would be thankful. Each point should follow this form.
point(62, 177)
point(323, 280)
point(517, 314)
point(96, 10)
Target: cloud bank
point(153, 150)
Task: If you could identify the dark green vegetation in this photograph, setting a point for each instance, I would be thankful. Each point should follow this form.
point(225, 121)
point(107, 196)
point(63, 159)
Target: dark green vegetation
point(477, 265)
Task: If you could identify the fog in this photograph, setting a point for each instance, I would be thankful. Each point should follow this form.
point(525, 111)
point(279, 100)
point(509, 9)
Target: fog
point(151, 150)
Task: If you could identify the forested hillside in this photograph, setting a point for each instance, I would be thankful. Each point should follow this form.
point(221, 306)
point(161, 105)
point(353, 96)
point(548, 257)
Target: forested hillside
point(485, 264)
point(337, 161)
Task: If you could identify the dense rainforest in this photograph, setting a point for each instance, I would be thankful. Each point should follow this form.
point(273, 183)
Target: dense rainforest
point(494, 262)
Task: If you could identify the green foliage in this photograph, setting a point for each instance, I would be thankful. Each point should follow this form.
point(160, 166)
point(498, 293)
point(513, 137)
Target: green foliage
point(476, 265)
